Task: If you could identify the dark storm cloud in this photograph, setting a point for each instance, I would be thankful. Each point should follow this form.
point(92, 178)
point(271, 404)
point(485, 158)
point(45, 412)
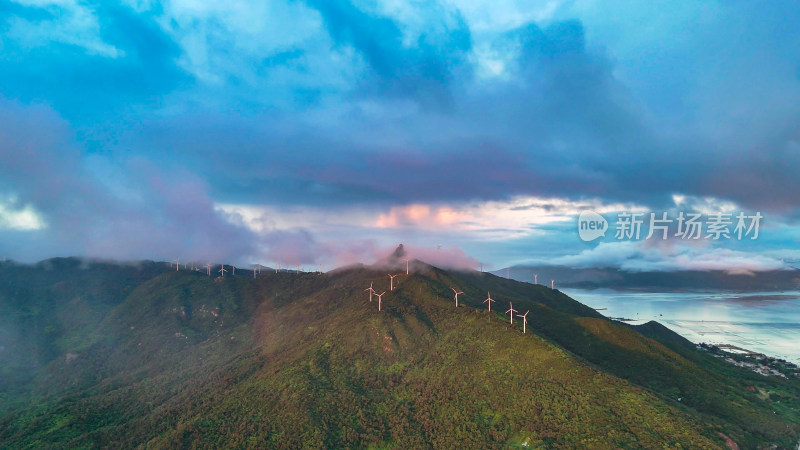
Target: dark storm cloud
point(563, 126)
point(410, 117)
point(559, 124)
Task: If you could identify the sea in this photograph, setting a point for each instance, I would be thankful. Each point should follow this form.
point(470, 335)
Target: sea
point(763, 322)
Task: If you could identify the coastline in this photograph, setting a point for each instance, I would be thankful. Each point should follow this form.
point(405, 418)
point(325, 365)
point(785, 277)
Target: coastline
point(761, 322)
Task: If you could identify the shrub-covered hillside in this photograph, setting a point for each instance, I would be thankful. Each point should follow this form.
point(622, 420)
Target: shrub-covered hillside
point(100, 354)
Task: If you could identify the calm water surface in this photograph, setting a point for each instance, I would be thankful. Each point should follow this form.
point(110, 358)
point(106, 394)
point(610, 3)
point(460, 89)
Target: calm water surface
point(765, 322)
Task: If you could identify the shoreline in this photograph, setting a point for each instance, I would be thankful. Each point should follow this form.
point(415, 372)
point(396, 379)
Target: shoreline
point(761, 322)
point(757, 362)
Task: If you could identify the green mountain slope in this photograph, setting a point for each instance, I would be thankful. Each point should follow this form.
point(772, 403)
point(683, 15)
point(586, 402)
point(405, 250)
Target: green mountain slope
point(177, 359)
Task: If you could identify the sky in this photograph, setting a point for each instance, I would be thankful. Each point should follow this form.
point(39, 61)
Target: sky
point(328, 131)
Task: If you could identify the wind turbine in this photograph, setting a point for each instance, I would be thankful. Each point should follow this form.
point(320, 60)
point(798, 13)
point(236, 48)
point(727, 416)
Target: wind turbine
point(524, 320)
point(371, 291)
point(298, 268)
point(255, 270)
point(552, 284)
point(391, 281)
point(319, 268)
point(208, 266)
point(536, 278)
point(489, 300)
point(511, 310)
point(277, 267)
point(407, 260)
point(234, 271)
point(456, 296)
point(222, 270)
point(177, 264)
point(379, 299)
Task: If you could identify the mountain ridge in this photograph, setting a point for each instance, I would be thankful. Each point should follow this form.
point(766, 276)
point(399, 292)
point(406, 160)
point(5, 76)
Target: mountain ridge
point(181, 340)
point(661, 281)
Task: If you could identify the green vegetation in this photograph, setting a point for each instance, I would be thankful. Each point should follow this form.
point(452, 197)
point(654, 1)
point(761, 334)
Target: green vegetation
point(126, 356)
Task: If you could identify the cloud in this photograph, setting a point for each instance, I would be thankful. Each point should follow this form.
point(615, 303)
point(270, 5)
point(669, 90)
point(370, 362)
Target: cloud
point(294, 247)
point(561, 121)
point(548, 131)
point(422, 70)
point(488, 17)
point(703, 205)
point(389, 121)
point(19, 217)
point(637, 256)
point(40, 23)
point(445, 258)
point(418, 215)
point(495, 220)
point(130, 61)
point(147, 213)
point(266, 44)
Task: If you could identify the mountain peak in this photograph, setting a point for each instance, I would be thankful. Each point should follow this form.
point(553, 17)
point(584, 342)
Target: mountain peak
point(394, 260)
point(399, 252)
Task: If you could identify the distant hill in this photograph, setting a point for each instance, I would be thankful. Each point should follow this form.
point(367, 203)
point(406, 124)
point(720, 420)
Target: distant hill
point(686, 280)
point(98, 354)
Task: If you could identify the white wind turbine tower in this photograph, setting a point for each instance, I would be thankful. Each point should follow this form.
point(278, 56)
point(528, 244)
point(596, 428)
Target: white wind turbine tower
point(277, 267)
point(536, 278)
point(456, 296)
point(234, 270)
point(489, 300)
point(371, 291)
point(511, 312)
point(208, 266)
point(407, 260)
point(379, 299)
point(552, 284)
point(222, 271)
point(177, 264)
point(391, 281)
point(524, 320)
point(255, 270)
point(319, 268)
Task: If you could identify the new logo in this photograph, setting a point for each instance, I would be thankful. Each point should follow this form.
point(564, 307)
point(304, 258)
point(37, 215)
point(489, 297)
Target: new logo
point(591, 226)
